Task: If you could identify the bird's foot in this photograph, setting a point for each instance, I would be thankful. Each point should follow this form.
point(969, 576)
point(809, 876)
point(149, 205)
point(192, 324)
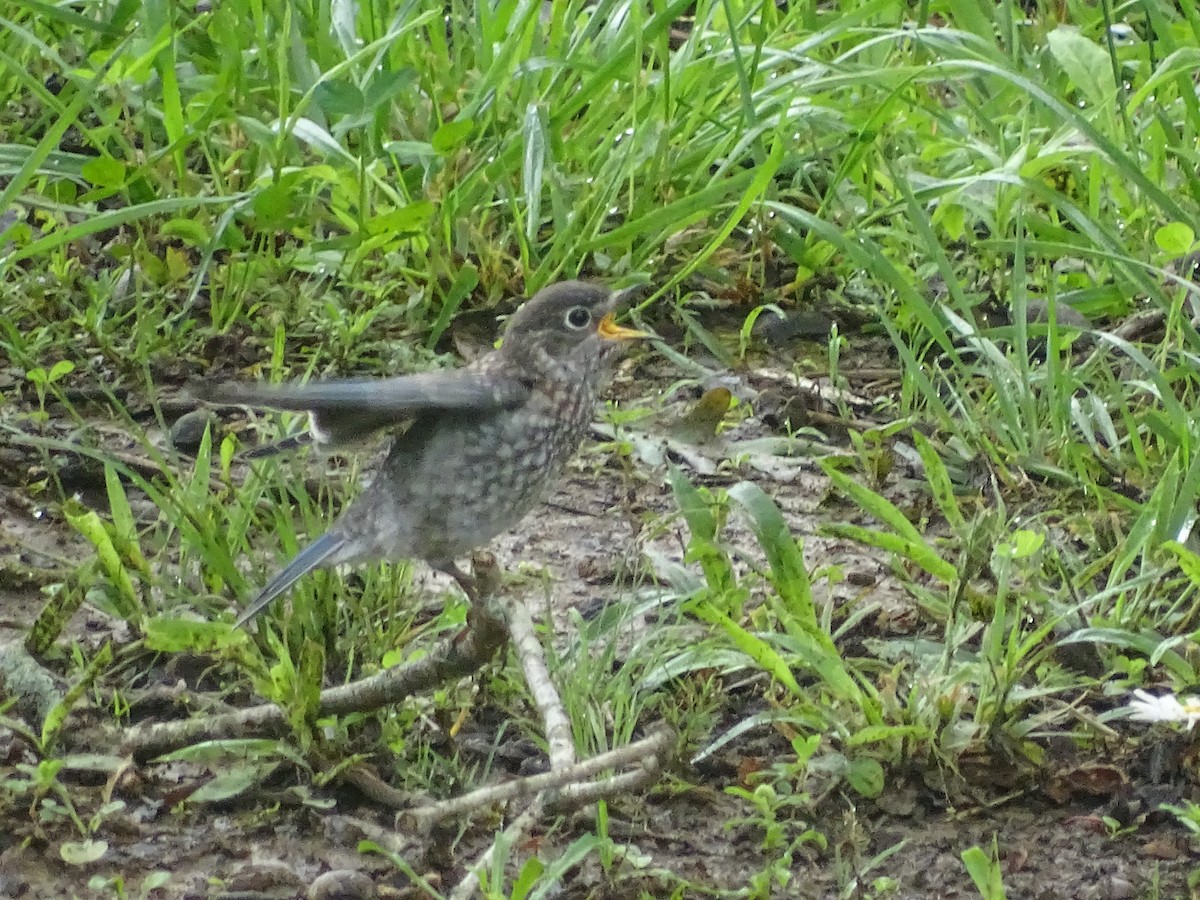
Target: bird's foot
point(480, 587)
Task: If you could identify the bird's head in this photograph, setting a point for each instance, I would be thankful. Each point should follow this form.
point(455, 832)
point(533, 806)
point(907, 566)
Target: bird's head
point(572, 323)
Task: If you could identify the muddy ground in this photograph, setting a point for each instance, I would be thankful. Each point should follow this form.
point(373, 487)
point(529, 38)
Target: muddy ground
point(275, 841)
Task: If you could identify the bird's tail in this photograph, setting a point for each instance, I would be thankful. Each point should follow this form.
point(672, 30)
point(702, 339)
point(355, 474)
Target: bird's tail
point(311, 557)
point(283, 445)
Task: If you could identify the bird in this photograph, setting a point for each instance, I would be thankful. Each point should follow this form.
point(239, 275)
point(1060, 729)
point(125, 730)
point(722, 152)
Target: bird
point(475, 447)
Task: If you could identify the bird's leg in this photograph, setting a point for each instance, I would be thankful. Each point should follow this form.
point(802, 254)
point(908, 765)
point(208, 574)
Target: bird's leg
point(479, 588)
point(465, 581)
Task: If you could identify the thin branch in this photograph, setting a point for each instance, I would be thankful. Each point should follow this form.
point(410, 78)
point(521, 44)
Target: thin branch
point(509, 837)
point(452, 658)
point(558, 800)
point(644, 753)
point(557, 727)
point(576, 795)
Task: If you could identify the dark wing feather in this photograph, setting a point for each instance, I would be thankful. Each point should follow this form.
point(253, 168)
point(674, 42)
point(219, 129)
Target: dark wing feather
point(347, 410)
point(283, 445)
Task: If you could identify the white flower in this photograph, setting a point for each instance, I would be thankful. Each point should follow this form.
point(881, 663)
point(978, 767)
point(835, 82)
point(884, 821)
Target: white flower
point(1167, 708)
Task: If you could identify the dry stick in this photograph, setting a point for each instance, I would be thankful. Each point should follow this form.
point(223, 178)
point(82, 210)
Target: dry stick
point(559, 740)
point(513, 833)
point(398, 844)
point(568, 797)
point(574, 795)
point(645, 752)
point(562, 754)
point(551, 792)
point(452, 658)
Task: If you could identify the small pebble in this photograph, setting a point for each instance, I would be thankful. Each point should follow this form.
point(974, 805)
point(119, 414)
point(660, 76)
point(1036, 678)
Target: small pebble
point(188, 431)
point(342, 884)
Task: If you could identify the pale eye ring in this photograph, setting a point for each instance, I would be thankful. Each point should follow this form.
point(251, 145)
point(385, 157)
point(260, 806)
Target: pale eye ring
point(578, 317)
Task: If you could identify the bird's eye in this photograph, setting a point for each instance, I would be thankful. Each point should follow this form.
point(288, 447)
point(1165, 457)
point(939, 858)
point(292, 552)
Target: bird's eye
point(578, 317)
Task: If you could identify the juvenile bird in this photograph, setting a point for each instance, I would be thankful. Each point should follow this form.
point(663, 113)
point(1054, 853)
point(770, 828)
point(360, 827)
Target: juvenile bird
point(476, 447)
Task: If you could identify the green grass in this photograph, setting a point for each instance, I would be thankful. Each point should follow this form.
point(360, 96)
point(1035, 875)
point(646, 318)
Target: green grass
point(279, 190)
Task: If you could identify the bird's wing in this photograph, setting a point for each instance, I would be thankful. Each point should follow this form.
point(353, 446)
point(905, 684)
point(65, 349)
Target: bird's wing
point(347, 410)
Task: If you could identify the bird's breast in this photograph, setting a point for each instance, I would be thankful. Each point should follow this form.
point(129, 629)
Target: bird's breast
point(452, 483)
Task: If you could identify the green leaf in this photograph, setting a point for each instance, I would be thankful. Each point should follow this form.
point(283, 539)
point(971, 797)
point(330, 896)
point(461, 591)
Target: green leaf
point(59, 712)
point(528, 877)
point(51, 12)
point(105, 172)
point(154, 881)
point(695, 508)
point(866, 776)
point(452, 135)
point(465, 282)
point(675, 217)
point(916, 552)
point(190, 231)
point(985, 872)
point(557, 870)
point(939, 481)
point(272, 204)
point(1022, 544)
point(1189, 562)
point(220, 752)
point(763, 654)
point(1086, 63)
point(89, 524)
point(319, 138)
point(875, 734)
point(817, 653)
point(125, 536)
point(81, 853)
point(783, 553)
point(384, 85)
point(407, 219)
point(338, 98)
point(233, 782)
point(1175, 238)
point(878, 506)
point(167, 635)
point(1148, 643)
point(410, 153)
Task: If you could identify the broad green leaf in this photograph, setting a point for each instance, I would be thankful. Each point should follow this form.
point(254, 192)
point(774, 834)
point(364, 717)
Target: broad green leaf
point(916, 552)
point(233, 782)
point(695, 508)
point(1175, 238)
point(105, 172)
point(878, 506)
point(865, 775)
point(985, 872)
point(1086, 63)
point(1148, 643)
point(81, 853)
point(89, 524)
point(1189, 562)
point(939, 482)
point(452, 135)
point(763, 654)
point(167, 635)
point(783, 553)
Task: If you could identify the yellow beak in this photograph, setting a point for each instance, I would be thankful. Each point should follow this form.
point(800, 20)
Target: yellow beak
point(611, 331)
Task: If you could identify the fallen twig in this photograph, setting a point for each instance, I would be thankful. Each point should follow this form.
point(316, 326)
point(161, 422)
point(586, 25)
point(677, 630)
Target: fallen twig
point(644, 753)
point(452, 658)
point(513, 833)
point(557, 727)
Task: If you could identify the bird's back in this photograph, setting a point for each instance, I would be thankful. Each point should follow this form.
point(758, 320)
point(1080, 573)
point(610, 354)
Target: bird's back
point(452, 482)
